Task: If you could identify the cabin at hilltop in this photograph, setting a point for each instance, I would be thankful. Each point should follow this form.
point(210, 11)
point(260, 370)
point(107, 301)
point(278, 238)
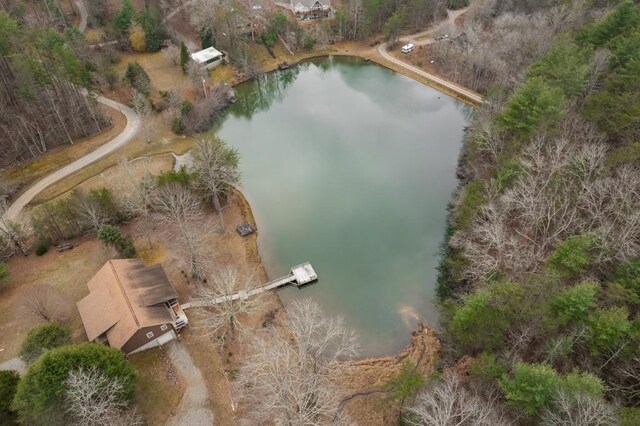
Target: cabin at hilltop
point(131, 306)
point(307, 9)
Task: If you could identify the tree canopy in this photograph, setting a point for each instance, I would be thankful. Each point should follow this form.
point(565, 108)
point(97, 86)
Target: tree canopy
point(40, 397)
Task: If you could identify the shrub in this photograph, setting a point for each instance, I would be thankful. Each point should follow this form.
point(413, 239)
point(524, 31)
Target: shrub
point(206, 38)
point(41, 249)
point(39, 398)
point(308, 42)
point(137, 77)
point(176, 125)
point(8, 384)
point(630, 416)
point(185, 107)
point(184, 56)
point(43, 338)
point(4, 272)
point(479, 322)
point(577, 382)
point(533, 106)
point(531, 386)
point(457, 4)
point(111, 236)
point(471, 202)
point(573, 304)
point(269, 38)
point(182, 176)
point(487, 368)
point(137, 38)
point(572, 256)
point(408, 382)
point(607, 329)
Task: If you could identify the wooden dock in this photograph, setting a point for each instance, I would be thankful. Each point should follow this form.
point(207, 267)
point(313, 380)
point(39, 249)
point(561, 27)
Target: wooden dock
point(299, 276)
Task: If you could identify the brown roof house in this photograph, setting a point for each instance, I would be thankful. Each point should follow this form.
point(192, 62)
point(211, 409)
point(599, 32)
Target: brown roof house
point(132, 306)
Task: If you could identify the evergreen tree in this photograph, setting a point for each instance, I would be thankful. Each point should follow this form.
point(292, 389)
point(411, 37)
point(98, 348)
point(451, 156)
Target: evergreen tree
point(40, 397)
point(123, 19)
point(151, 22)
point(392, 28)
point(43, 338)
point(137, 77)
point(184, 56)
point(111, 236)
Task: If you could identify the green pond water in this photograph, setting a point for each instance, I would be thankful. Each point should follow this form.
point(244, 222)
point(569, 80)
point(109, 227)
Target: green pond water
point(350, 166)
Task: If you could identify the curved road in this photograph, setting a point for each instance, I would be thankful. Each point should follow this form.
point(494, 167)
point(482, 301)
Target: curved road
point(460, 90)
point(130, 130)
point(83, 15)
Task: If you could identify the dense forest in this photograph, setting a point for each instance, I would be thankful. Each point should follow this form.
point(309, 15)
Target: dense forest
point(43, 77)
point(540, 282)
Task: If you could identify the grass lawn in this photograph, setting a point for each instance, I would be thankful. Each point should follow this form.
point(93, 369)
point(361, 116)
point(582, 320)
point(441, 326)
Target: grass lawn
point(158, 390)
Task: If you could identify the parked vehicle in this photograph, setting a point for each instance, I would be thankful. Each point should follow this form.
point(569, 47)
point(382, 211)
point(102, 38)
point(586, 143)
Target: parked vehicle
point(407, 48)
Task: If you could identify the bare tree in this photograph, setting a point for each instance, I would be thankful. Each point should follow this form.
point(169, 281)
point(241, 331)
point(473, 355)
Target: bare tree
point(171, 54)
point(7, 188)
point(45, 303)
point(447, 402)
point(13, 233)
point(203, 14)
point(178, 206)
point(136, 191)
point(204, 111)
point(559, 188)
point(90, 212)
point(95, 399)
point(216, 168)
point(578, 409)
point(136, 188)
point(140, 104)
point(226, 314)
point(290, 379)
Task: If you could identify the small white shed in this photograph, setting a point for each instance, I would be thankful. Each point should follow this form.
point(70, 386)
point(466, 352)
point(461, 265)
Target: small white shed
point(208, 58)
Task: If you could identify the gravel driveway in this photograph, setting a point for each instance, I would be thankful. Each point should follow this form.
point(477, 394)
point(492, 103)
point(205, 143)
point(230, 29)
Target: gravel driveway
point(194, 407)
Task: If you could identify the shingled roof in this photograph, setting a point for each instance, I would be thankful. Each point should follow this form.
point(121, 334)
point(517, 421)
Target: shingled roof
point(125, 296)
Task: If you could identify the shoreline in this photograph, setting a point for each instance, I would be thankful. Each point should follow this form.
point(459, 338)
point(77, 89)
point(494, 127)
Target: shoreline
point(369, 55)
point(248, 212)
point(251, 244)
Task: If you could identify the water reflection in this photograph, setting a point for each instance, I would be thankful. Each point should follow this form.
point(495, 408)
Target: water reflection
point(351, 166)
point(266, 89)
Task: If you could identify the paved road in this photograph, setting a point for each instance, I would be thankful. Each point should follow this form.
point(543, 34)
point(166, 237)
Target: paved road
point(449, 22)
point(130, 130)
point(15, 364)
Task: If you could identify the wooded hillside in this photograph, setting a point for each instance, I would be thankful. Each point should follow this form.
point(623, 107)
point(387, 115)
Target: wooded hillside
point(42, 76)
point(541, 279)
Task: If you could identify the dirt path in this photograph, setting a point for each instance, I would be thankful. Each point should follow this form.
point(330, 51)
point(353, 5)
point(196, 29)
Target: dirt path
point(83, 15)
point(194, 407)
point(177, 10)
point(130, 130)
point(455, 88)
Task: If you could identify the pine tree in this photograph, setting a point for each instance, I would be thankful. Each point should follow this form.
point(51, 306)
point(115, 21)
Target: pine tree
point(184, 56)
point(124, 18)
point(153, 28)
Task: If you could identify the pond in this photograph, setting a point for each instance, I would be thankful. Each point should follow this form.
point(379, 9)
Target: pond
point(351, 166)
